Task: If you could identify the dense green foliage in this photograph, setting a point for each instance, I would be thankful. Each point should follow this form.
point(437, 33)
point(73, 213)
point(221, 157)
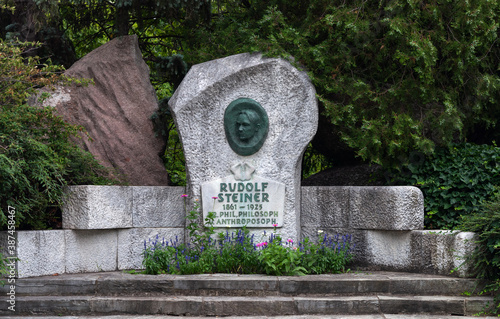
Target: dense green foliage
point(392, 76)
point(37, 157)
point(486, 257)
point(455, 181)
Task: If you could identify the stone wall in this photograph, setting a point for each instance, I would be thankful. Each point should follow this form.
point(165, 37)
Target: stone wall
point(105, 228)
point(386, 225)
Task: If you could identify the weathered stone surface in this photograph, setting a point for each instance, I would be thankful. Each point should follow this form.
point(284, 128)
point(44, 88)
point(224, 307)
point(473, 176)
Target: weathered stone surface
point(91, 250)
point(441, 251)
point(386, 208)
point(241, 306)
point(40, 252)
point(131, 243)
point(423, 304)
point(325, 207)
point(159, 206)
point(118, 283)
point(334, 285)
point(370, 207)
point(39, 306)
point(97, 207)
point(420, 251)
point(336, 305)
point(389, 249)
point(177, 306)
point(228, 285)
point(112, 207)
point(285, 94)
point(116, 111)
point(123, 295)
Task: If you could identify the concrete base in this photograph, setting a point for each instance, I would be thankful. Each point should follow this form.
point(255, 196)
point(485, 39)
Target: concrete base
point(72, 251)
point(49, 252)
point(108, 226)
point(420, 251)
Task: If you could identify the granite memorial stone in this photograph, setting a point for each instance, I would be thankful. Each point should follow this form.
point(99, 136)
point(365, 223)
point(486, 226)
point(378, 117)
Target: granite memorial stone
point(245, 122)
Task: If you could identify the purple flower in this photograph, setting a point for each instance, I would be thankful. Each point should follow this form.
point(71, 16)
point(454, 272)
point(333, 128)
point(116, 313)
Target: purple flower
point(214, 197)
point(184, 195)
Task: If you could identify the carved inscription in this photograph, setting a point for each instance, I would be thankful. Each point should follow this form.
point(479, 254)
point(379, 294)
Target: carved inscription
point(258, 202)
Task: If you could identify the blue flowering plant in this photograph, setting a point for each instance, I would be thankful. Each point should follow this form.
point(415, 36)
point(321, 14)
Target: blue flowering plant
point(239, 252)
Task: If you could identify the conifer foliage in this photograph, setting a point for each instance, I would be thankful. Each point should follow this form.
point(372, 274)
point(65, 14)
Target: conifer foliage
point(37, 157)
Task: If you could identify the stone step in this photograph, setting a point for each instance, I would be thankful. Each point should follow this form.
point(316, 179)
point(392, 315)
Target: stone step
point(349, 284)
point(246, 306)
point(374, 316)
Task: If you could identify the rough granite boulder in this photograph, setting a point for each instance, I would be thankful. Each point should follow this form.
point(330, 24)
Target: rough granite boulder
point(205, 106)
point(116, 111)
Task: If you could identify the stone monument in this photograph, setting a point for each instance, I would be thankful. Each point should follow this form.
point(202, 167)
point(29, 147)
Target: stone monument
point(244, 122)
point(115, 111)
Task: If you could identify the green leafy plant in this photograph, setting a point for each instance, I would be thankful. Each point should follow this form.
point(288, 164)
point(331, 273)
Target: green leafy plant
point(237, 252)
point(37, 157)
point(486, 256)
point(280, 258)
point(455, 182)
point(164, 126)
point(328, 254)
point(197, 234)
point(4, 270)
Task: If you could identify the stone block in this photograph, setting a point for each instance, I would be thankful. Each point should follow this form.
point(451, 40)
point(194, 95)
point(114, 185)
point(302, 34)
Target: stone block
point(388, 249)
point(91, 250)
point(40, 252)
point(97, 207)
point(131, 243)
point(386, 208)
point(442, 251)
point(325, 206)
point(166, 305)
point(158, 206)
point(437, 252)
point(370, 208)
point(355, 305)
point(422, 304)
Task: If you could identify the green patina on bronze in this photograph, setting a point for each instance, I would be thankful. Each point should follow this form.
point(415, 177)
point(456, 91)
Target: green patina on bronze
point(246, 125)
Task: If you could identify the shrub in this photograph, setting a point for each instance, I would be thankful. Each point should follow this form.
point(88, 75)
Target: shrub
point(391, 76)
point(455, 181)
point(486, 257)
point(239, 253)
point(4, 269)
point(37, 157)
